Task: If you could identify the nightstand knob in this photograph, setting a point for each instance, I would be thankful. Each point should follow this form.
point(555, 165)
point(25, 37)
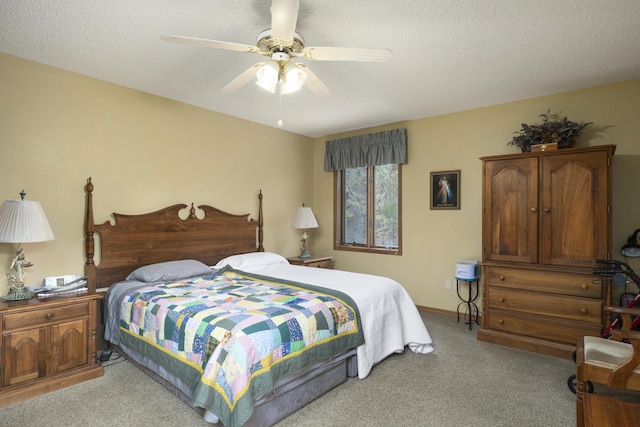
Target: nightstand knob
point(585, 287)
point(501, 321)
point(502, 278)
point(500, 299)
point(584, 311)
point(48, 316)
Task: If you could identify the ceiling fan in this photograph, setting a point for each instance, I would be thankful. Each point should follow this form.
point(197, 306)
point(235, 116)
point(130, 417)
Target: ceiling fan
point(282, 45)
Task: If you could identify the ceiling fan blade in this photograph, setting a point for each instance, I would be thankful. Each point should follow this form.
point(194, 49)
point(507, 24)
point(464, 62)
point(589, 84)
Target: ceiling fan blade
point(346, 54)
point(314, 84)
point(244, 78)
point(284, 15)
point(210, 43)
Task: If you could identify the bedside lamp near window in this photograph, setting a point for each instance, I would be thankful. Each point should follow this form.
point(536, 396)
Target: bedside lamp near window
point(22, 221)
point(304, 219)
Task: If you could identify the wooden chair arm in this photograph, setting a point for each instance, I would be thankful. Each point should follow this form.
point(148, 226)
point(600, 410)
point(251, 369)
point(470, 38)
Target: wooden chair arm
point(622, 310)
point(622, 334)
point(625, 313)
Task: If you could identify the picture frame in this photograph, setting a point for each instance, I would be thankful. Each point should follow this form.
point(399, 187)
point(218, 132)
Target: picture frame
point(445, 190)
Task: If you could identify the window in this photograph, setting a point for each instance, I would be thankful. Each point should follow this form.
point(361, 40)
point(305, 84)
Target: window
point(367, 209)
point(368, 191)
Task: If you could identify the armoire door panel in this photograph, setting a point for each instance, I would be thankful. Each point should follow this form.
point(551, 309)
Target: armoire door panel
point(573, 202)
point(510, 222)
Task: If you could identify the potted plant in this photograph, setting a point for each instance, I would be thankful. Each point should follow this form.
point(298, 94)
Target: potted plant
point(553, 129)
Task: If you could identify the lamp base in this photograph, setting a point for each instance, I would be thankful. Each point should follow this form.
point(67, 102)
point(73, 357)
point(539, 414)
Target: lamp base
point(17, 295)
point(305, 254)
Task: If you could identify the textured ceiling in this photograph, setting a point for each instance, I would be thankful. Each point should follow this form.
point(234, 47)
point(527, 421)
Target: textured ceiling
point(449, 55)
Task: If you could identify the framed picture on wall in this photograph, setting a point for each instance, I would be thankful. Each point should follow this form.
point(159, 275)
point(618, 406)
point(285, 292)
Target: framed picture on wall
point(445, 190)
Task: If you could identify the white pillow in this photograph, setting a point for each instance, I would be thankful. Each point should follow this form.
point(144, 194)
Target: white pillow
point(250, 259)
point(169, 271)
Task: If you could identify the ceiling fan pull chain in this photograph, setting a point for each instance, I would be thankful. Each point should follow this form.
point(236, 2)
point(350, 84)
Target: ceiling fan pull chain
point(280, 122)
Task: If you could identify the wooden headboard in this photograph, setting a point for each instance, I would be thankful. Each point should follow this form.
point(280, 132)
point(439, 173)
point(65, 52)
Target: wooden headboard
point(137, 240)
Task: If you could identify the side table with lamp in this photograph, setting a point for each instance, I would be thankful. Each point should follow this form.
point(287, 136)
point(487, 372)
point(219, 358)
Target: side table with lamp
point(22, 221)
point(48, 343)
point(303, 220)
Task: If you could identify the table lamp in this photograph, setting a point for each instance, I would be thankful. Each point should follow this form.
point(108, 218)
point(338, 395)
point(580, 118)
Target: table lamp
point(304, 219)
point(22, 221)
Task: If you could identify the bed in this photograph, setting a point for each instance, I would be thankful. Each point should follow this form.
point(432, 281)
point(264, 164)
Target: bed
point(159, 264)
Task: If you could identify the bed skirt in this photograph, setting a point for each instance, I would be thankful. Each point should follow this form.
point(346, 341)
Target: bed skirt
point(290, 393)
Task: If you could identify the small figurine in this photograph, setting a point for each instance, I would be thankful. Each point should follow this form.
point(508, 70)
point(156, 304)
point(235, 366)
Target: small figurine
point(16, 275)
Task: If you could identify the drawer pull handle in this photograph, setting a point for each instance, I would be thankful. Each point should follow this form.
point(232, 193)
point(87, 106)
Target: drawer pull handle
point(584, 311)
point(500, 299)
point(501, 322)
point(534, 210)
point(585, 287)
point(502, 278)
point(48, 316)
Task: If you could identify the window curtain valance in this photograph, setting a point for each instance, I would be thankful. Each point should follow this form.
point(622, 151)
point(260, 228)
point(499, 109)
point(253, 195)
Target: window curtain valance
point(374, 149)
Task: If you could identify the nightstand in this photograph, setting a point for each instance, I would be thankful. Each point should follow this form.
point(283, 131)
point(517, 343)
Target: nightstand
point(313, 261)
point(47, 344)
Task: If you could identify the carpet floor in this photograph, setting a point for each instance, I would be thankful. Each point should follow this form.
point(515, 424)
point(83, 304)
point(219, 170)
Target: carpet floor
point(463, 382)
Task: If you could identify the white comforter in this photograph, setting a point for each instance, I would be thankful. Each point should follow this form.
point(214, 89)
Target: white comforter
point(390, 320)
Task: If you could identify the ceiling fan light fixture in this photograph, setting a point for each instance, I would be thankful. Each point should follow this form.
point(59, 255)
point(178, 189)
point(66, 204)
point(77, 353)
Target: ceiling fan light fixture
point(268, 76)
point(294, 78)
point(280, 44)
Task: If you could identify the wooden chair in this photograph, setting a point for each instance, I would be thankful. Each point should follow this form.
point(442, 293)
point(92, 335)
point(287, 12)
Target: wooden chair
point(609, 361)
point(600, 411)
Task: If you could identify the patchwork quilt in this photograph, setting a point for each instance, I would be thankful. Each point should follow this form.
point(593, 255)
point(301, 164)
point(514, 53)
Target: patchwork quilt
point(231, 335)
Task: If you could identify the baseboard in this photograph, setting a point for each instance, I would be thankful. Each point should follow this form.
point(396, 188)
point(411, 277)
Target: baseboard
point(433, 310)
point(442, 312)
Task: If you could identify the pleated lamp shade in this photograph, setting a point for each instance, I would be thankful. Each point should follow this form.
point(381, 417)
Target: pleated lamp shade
point(304, 218)
point(24, 221)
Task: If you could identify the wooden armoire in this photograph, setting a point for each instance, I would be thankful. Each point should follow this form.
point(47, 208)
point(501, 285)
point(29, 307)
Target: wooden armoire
point(546, 218)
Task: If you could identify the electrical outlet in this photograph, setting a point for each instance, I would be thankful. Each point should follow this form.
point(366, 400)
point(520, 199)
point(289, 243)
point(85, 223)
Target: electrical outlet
point(447, 284)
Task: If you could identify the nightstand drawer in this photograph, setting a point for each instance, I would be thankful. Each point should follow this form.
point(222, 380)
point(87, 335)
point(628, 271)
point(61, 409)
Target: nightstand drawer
point(320, 264)
point(44, 315)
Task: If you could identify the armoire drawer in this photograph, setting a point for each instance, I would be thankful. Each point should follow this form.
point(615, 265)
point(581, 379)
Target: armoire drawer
point(570, 308)
point(538, 326)
point(555, 282)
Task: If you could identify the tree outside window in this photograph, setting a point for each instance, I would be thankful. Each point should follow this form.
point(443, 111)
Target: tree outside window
point(368, 209)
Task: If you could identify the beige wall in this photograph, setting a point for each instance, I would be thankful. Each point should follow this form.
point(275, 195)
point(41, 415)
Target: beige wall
point(434, 240)
point(144, 152)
